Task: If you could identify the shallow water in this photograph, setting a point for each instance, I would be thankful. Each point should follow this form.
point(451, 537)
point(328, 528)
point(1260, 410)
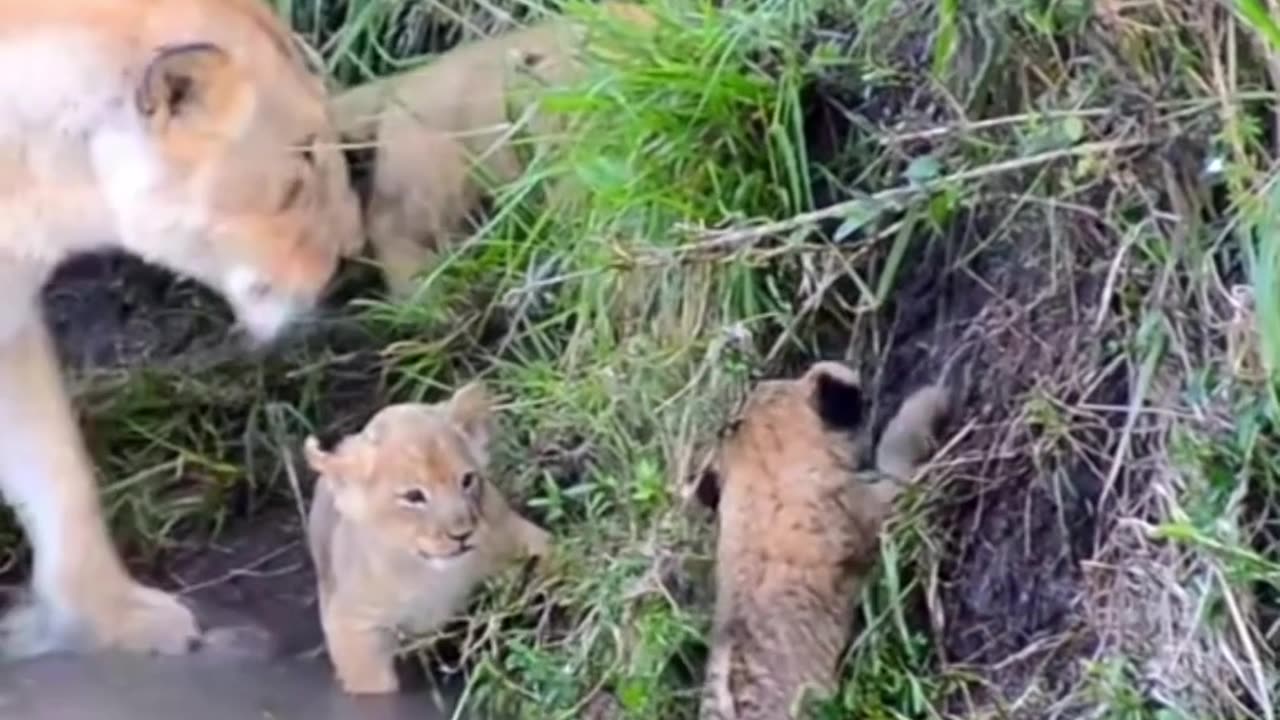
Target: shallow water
point(127, 687)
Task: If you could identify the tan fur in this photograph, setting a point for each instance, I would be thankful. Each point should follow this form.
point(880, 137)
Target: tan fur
point(403, 527)
point(798, 532)
point(188, 132)
point(444, 130)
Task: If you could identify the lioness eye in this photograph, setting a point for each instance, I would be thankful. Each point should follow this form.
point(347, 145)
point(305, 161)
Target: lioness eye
point(291, 194)
point(414, 497)
point(308, 149)
point(259, 290)
point(469, 480)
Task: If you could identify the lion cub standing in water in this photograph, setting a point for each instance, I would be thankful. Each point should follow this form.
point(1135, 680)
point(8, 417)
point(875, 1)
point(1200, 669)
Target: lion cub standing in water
point(403, 526)
point(798, 532)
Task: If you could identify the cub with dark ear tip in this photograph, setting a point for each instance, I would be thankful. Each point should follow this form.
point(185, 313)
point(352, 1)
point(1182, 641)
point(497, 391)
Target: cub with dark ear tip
point(837, 395)
point(797, 533)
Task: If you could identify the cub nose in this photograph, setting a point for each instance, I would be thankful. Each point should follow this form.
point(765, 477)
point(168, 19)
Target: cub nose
point(459, 537)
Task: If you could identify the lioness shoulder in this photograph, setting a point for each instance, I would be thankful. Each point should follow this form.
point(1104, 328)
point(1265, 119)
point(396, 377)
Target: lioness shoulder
point(404, 524)
point(798, 527)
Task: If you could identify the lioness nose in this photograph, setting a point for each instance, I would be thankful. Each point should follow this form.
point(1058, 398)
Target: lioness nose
point(460, 537)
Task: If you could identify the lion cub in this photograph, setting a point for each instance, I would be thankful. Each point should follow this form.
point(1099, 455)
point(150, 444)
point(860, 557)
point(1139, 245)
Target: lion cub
point(403, 526)
point(442, 133)
point(798, 533)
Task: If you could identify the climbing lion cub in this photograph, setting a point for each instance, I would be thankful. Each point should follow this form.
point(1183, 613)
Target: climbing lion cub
point(189, 133)
point(403, 526)
point(798, 528)
point(441, 131)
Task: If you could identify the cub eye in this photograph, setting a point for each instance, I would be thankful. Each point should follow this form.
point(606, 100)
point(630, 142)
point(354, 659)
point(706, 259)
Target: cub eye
point(469, 480)
point(413, 497)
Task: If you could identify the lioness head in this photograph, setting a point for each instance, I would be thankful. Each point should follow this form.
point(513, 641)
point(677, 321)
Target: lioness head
point(223, 163)
point(414, 476)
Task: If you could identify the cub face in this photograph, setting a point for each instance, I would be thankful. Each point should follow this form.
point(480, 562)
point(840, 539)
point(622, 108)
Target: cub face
point(227, 168)
point(413, 478)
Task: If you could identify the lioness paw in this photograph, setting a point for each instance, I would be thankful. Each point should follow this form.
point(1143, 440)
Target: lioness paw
point(139, 619)
point(146, 620)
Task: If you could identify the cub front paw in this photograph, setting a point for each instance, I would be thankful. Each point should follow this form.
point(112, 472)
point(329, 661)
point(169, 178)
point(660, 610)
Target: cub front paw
point(369, 681)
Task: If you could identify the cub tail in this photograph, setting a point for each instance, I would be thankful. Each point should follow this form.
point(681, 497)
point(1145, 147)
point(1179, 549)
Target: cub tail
point(911, 436)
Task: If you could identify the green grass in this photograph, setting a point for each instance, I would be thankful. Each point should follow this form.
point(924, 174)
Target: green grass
point(1044, 157)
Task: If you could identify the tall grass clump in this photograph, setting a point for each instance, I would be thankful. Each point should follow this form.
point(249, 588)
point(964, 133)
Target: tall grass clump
point(624, 328)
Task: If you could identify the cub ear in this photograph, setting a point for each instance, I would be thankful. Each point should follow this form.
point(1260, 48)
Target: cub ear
point(318, 455)
point(471, 408)
point(195, 83)
point(837, 396)
point(706, 488)
point(352, 459)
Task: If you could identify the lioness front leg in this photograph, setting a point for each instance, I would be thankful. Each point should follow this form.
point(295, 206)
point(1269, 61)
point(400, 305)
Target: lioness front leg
point(83, 596)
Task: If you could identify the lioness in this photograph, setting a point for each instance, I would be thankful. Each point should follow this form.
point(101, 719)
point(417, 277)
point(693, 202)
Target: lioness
point(798, 528)
point(190, 133)
point(403, 526)
point(441, 132)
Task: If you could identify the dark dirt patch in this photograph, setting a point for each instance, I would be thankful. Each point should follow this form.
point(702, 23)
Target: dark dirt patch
point(259, 571)
point(110, 310)
point(1018, 509)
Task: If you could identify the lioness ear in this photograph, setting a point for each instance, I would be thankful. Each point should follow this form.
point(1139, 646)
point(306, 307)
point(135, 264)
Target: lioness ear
point(836, 395)
point(198, 83)
point(471, 408)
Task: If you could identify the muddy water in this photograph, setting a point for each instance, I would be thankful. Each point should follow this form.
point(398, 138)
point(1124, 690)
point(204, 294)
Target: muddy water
point(117, 687)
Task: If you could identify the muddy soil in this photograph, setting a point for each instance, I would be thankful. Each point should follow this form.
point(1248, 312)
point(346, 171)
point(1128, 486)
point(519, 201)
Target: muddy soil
point(1017, 509)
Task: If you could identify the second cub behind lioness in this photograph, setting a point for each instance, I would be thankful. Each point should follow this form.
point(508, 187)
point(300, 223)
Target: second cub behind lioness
point(442, 135)
point(403, 526)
